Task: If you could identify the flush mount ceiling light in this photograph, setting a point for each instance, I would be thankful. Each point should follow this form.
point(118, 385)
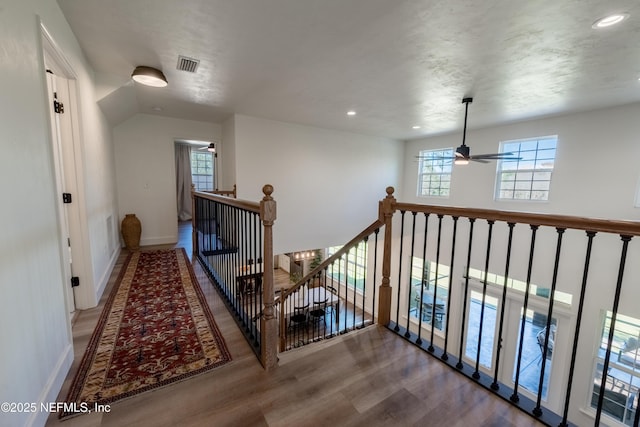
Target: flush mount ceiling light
point(610, 20)
point(351, 113)
point(149, 76)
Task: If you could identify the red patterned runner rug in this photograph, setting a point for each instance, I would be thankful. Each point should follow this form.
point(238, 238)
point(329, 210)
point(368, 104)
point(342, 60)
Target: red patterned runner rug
point(155, 329)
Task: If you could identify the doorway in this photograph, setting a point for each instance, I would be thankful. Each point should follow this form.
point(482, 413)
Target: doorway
point(530, 326)
point(61, 94)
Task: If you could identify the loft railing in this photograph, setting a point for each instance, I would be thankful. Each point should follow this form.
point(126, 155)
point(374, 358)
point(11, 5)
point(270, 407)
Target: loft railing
point(539, 309)
point(334, 298)
point(232, 239)
point(532, 307)
point(229, 193)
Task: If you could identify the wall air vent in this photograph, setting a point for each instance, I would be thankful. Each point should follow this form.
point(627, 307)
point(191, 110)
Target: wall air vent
point(187, 64)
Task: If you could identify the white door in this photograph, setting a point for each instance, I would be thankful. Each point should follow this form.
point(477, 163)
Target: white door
point(58, 92)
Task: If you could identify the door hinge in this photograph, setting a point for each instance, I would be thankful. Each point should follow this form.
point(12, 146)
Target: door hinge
point(58, 107)
point(75, 281)
point(66, 197)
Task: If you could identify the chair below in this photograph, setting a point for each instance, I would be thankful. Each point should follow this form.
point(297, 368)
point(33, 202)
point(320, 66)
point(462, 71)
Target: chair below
point(299, 317)
point(318, 311)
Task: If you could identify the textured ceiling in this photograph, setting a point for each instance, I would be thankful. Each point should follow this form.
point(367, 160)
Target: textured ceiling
point(396, 63)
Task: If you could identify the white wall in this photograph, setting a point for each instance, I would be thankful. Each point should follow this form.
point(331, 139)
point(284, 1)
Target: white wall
point(327, 183)
point(596, 170)
point(226, 163)
point(145, 170)
point(35, 331)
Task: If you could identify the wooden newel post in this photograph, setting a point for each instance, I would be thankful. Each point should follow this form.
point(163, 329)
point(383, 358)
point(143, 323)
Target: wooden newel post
point(194, 231)
point(268, 321)
point(386, 209)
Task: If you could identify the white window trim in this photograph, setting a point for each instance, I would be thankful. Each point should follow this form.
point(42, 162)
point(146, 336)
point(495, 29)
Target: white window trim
point(496, 192)
point(420, 173)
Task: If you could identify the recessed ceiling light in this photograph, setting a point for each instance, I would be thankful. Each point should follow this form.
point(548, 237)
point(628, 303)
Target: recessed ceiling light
point(415, 127)
point(610, 20)
point(351, 113)
point(156, 108)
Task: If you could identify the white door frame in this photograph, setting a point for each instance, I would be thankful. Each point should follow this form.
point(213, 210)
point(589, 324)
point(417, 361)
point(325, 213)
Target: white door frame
point(71, 177)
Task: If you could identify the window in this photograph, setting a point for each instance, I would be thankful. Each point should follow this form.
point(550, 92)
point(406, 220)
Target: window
point(202, 170)
point(355, 269)
point(529, 176)
point(520, 286)
point(434, 173)
point(623, 377)
point(423, 275)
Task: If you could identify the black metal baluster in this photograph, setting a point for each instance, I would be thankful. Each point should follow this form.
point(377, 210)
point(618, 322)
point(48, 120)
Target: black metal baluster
point(333, 287)
point(397, 327)
point(355, 281)
point(537, 411)
point(257, 280)
point(495, 385)
point(445, 356)
point(232, 225)
point(459, 365)
point(346, 289)
point(375, 275)
point(407, 333)
point(260, 253)
point(614, 314)
point(422, 279)
point(514, 397)
point(574, 351)
point(339, 328)
point(241, 269)
point(476, 373)
point(431, 349)
point(208, 227)
point(364, 279)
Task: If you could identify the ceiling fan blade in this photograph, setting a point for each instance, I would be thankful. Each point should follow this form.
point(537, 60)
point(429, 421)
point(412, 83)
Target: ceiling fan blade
point(477, 159)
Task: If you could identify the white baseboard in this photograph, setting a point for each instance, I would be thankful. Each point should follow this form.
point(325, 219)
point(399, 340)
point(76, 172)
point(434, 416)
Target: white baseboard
point(104, 279)
point(52, 388)
point(162, 240)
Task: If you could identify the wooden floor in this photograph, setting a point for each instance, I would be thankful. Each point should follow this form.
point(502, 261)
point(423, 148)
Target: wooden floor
point(369, 378)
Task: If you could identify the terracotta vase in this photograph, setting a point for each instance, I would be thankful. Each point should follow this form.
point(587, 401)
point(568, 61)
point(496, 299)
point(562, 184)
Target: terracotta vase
point(131, 230)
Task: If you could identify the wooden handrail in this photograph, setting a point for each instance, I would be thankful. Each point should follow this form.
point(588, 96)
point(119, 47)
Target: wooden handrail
point(622, 227)
point(346, 248)
point(231, 193)
point(238, 203)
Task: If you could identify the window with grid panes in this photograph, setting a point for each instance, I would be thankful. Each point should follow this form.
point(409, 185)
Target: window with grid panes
point(528, 176)
point(434, 173)
point(202, 170)
point(352, 269)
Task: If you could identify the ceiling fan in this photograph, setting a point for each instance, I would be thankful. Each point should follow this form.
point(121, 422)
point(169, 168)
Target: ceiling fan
point(463, 153)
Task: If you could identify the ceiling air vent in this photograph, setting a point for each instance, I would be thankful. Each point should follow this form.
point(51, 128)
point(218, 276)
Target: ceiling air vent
point(187, 64)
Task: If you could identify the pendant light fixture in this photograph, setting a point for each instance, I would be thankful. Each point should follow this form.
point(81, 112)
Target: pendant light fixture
point(149, 76)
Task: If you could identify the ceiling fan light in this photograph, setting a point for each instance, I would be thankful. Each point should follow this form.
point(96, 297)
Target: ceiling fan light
point(149, 76)
point(211, 148)
point(462, 151)
point(461, 161)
